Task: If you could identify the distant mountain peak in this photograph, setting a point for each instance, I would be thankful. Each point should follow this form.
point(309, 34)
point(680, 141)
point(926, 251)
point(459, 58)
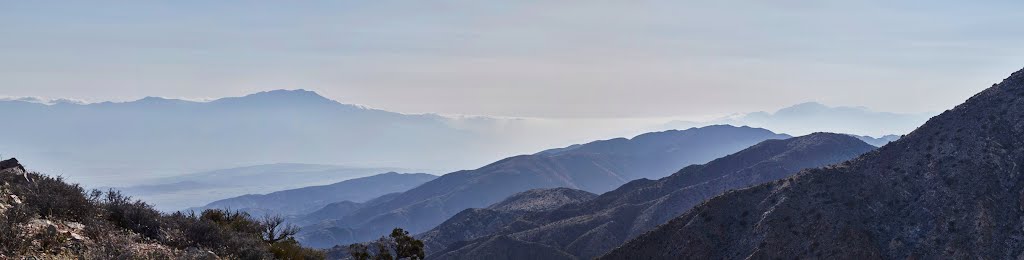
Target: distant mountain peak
point(809, 117)
point(810, 104)
point(289, 92)
point(812, 107)
point(280, 97)
point(296, 94)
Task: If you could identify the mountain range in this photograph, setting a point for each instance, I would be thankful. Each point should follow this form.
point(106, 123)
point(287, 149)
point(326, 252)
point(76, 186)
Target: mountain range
point(127, 143)
point(301, 201)
point(952, 189)
point(119, 144)
point(595, 167)
point(197, 189)
point(592, 228)
point(812, 117)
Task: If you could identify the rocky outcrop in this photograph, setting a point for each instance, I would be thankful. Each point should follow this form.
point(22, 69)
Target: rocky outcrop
point(11, 164)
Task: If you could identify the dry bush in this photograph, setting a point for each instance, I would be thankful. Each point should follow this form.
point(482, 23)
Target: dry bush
point(12, 229)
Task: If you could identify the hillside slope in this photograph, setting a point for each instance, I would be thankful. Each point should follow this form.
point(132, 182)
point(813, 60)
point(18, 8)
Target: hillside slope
point(592, 228)
point(594, 167)
point(43, 217)
point(541, 199)
point(338, 210)
point(951, 189)
point(474, 223)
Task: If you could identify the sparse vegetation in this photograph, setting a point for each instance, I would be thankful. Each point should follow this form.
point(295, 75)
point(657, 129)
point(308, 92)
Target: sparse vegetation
point(12, 229)
point(53, 219)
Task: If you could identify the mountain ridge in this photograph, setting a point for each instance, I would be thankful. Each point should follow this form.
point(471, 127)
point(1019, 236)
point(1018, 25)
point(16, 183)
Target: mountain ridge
point(589, 229)
point(594, 167)
point(945, 190)
point(474, 223)
point(301, 201)
point(809, 117)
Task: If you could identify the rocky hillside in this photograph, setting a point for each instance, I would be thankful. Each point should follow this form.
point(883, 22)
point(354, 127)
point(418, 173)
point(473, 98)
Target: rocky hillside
point(474, 223)
point(952, 189)
point(541, 199)
point(594, 167)
point(306, 200)
point(592, 228)
point(43, 217)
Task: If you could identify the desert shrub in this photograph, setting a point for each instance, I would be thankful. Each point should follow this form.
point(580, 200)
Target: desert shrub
point(51, 240)
point(234, 221)
point(184, 230)
point(290, 249)
point(52, 198)
point(136, 216)
point(12, 231)
point(227, 233)
point(114, 245)
point(248, 248)
point(273, 229)
point(116, 223)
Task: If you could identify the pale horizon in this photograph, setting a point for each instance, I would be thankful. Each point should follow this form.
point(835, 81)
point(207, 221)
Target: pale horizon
point(538, 60)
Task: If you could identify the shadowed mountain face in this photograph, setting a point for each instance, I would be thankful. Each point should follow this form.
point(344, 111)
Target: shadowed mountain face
point(309, 199)
point(592, 228)
point(474, 223)
point(338, 210)
point(594, 167)
point(952, 189)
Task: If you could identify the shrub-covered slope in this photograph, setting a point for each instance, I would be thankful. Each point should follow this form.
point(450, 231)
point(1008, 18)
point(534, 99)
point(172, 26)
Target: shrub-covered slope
point(44, 217)
point(952, 189)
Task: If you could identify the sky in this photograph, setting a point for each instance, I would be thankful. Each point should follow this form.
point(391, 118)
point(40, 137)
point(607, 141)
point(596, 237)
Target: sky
point(554, 59)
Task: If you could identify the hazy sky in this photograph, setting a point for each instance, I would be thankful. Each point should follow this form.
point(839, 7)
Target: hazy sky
point(519, 58)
